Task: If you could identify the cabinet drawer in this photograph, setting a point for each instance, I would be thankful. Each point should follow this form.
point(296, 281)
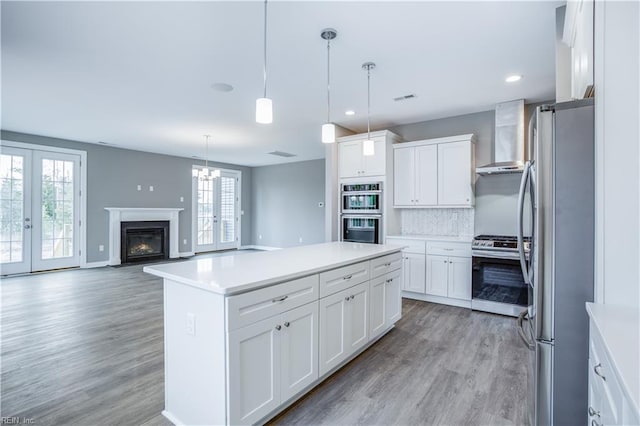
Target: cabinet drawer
point(338, 279)
point(411, 246)
point(449, 249)
point(247, 308)
point(384, 264)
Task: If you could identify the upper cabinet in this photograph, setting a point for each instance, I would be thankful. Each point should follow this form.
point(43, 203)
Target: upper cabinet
point(578, 35)
point(434, 172)
point(353, 164)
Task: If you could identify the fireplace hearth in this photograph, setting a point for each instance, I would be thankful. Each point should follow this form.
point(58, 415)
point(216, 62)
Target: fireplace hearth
point(143, 241)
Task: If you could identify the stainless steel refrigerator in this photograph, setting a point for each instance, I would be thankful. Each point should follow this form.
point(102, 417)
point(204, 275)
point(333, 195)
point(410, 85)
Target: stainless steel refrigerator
point(558, 187)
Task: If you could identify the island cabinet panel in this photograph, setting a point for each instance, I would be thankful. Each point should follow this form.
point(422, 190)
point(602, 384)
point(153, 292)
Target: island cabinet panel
point(333, 331)
point(377, 306)
point(270, 361)
point(341, 278)
point(247, 308)
point(358, 317)
point(393, 297)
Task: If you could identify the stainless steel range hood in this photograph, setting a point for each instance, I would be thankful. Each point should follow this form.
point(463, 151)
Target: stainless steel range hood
point(508, 145)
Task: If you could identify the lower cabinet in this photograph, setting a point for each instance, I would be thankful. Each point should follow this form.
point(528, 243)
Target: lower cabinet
point(344, 325)
point(414, 272)
point(449, 276)
point(385, 302)
point(271, 361)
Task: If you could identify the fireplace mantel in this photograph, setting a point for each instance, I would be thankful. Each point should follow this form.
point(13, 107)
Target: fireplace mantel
point(126, 214)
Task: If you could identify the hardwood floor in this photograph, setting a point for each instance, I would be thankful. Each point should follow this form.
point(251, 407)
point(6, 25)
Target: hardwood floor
point(85, 347)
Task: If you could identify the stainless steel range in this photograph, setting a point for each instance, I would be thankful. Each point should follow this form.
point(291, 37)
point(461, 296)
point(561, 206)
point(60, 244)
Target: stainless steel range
point(497, 282)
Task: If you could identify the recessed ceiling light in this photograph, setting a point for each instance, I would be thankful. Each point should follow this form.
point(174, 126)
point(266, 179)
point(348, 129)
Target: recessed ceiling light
point(222, 87)
point(513, 78)
point(350, 112)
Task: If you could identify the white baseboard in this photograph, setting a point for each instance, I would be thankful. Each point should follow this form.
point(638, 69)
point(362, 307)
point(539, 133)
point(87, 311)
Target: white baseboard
point(173, 419)
point(186, 254)
point(437, 299)
point(100, 264)
point(255, 247)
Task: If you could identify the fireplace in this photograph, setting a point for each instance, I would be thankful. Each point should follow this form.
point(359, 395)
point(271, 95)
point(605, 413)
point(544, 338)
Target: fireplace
point(144, 241)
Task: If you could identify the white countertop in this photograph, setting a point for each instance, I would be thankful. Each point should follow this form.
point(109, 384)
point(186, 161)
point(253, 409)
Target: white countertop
point(620, 330)
point(244, 272)
point(458, 238)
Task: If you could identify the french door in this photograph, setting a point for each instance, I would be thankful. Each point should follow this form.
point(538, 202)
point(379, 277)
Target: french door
point(216, 220)
point(40, 210)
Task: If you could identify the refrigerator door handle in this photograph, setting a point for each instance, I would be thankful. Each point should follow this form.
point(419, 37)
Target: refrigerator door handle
point(523, 187)
point(521, 332)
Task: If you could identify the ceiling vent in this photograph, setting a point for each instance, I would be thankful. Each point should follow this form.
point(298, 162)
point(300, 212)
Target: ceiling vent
point(282, 154)
point(404, 98)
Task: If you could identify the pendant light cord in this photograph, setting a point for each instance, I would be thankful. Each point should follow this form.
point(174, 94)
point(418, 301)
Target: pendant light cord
point(328, 80)
point(368, 103)
point(265, 49)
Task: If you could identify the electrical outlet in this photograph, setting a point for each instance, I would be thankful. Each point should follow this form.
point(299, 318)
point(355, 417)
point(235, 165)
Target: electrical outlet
point(191, 324)
point(184, 241)
point(139, 187)
point(150, 188)
point(101, 247)
point(182, 199)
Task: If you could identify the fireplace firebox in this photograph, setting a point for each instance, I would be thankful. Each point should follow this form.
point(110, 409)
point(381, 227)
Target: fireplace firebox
point(144, 241)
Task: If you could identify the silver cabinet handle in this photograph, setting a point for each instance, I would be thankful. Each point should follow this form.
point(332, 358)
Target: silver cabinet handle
point(593, 412)
point(596, 369)
point(27, 227)
point(287, 324)
point(351, 297)
point(279, 299)
point(278, 327)
point(387, 264)
point(348, 277)
point(346, 298)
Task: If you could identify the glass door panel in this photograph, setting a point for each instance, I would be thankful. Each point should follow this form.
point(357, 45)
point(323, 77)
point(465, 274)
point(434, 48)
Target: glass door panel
point(15, 214)
point(206, 218)
point(228, 211)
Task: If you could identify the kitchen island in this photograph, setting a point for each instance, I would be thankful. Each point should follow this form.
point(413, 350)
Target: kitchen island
point(247, 335)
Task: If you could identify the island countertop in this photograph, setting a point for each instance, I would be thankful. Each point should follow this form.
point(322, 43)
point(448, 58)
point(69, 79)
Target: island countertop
point(240, 273)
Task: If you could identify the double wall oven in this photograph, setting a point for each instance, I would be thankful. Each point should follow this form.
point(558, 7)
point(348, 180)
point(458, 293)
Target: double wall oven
point(496, 279)
point(361, 212)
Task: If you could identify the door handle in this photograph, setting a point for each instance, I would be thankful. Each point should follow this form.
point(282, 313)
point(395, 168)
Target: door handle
point(596, 369)
point(279, 299)
point(521, 333)
point(520, 220)
point(348, 277)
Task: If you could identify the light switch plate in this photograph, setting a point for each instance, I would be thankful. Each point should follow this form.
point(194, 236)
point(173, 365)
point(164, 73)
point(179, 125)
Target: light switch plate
point(139, 187)
point(150, 188)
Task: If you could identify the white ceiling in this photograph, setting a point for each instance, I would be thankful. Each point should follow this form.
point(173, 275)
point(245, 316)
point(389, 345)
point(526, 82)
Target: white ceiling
point(139, 74)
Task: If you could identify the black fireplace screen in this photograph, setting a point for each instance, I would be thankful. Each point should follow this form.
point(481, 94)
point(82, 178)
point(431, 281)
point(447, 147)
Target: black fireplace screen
point(144, 240)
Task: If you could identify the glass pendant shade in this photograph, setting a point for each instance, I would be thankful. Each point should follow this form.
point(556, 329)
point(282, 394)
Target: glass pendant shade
point(264, 111)
point(328, 133)
point(368, 147)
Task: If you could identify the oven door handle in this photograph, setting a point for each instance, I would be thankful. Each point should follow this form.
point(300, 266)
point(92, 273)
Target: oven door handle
point(361, 216)
point(520, 323)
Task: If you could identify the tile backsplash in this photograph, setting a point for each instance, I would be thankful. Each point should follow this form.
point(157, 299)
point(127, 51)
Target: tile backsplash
point(450, 222)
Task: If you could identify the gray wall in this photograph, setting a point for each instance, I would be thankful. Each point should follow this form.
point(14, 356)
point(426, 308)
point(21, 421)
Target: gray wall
point(285, 201)
point(496, 195)
point(112, 178)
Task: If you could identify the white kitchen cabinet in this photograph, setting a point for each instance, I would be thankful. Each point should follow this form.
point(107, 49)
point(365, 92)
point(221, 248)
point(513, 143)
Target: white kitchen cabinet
point(352, 162)
point(434, 173)
point(437, 275)
point(414, 272)
point(459, 286)
point(578, 35)
point(454, 174)
point(416, 176)
point(271, 361)
point(344, 325)
point(254, 364)
point(385, 302)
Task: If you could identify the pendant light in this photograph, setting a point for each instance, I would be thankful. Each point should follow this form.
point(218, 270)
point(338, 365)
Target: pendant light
point(368, 146)
point(328, 129)
point(264, 107)
point(205, 173)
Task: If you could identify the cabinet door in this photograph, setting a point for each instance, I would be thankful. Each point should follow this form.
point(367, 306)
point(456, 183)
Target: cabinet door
point(437, 275)
point(414, 272)
point(299, 349)
point(333, 328)
point(403, 176)
point(426, 177)
point(254, 365)
point(350, 159)
point(393, 299)
point(377, 306)
point(358, 324)
point(375, 165)
point(460, 278)
point(454, 173)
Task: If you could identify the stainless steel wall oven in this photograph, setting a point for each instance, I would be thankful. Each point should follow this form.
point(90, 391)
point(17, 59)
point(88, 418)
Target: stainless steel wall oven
point(361, 212)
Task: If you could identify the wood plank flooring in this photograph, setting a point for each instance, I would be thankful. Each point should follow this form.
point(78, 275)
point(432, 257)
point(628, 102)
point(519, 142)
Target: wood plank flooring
point(85, 347)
